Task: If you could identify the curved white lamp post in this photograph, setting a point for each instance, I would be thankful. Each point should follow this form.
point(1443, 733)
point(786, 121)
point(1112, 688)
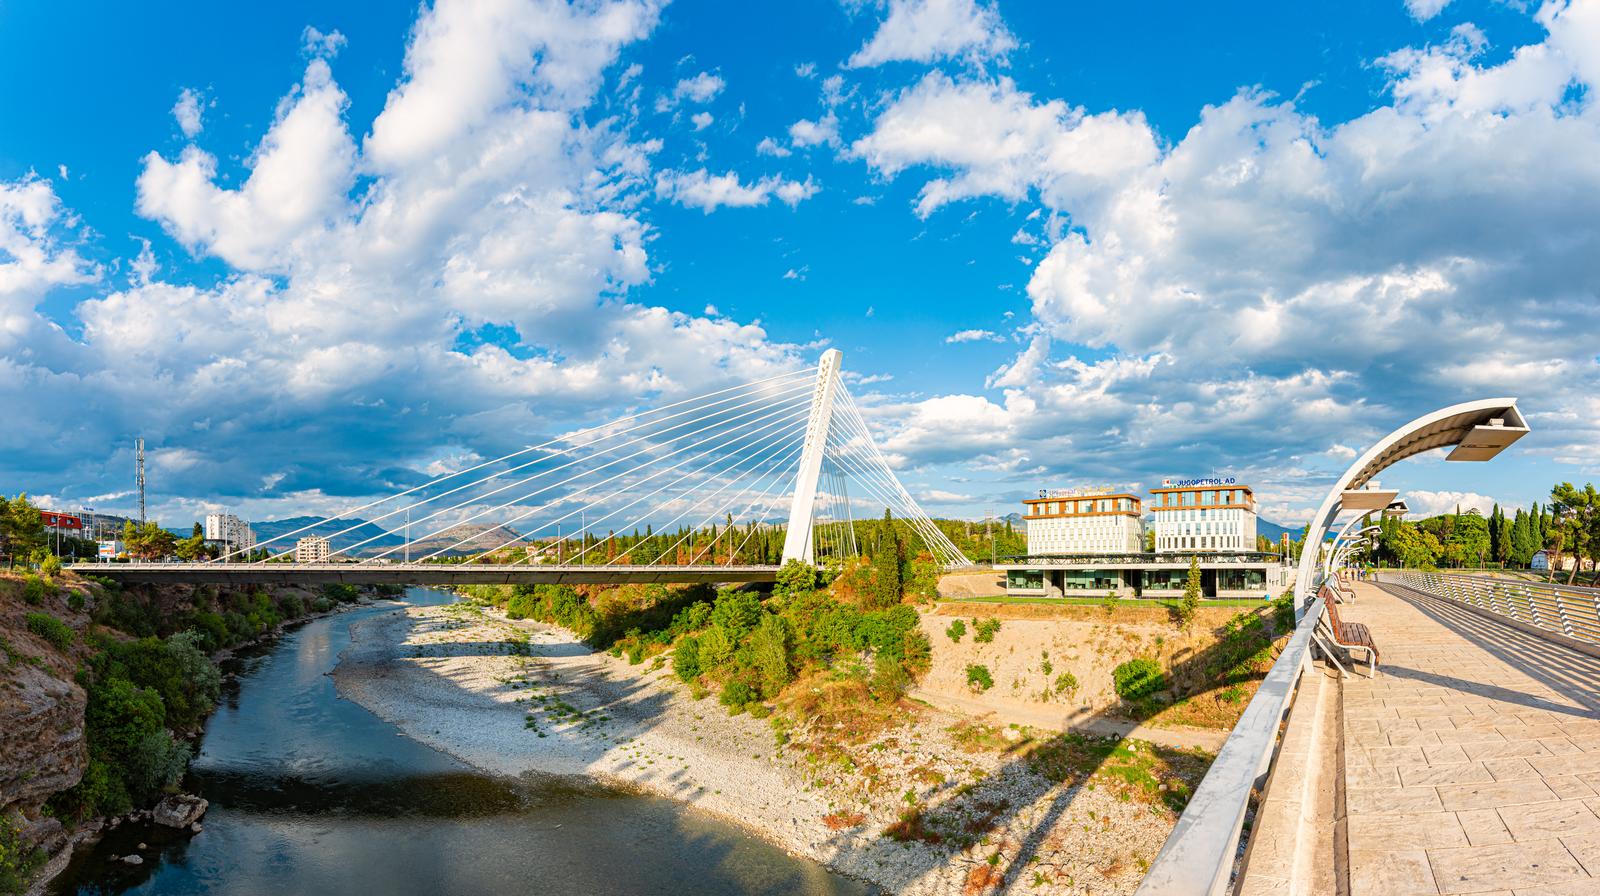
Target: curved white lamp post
point(1478, 430)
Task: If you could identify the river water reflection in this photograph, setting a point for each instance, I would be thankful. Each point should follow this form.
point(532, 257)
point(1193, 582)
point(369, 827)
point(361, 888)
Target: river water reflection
point(311, 793)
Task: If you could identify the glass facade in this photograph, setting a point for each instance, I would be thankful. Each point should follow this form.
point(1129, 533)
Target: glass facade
point(1101, 580)
point(1241, 579)
point(1025, 579)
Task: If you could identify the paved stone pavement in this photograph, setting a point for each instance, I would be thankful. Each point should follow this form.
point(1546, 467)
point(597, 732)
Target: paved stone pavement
point(1472, 762)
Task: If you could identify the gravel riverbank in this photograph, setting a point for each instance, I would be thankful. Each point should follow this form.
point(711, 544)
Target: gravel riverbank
point(522, 698)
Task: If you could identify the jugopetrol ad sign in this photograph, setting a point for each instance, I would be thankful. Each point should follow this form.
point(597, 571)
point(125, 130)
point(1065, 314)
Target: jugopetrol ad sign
point(1197, 483)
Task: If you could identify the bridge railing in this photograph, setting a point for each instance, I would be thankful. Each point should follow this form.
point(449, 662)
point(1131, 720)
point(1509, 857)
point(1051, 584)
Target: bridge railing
point(1568, 611)
point(1199, 856)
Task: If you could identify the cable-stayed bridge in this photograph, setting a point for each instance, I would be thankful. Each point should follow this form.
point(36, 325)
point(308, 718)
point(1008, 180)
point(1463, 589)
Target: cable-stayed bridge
point(696, 490)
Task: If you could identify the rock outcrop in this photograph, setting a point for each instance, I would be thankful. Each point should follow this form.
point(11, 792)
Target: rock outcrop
point(179, 810)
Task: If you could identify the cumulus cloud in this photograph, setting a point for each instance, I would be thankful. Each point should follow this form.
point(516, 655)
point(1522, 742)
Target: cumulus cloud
point(187, 112)
point(994, 139)
point(701, 88)
point(1428, 503)
point(974, 336)
point(708, 192)
point(1272, 284)
point(824, 130)
point(383, 309)
point(1423, 10)
point(928, 30)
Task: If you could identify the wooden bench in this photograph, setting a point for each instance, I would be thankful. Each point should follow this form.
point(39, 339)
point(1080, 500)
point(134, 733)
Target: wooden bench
point(1350, 636)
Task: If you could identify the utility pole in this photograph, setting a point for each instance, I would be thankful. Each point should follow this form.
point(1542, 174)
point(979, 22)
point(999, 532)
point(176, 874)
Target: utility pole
point(138, 455)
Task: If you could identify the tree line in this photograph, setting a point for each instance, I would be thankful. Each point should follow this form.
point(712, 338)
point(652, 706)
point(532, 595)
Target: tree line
point(1567, 526)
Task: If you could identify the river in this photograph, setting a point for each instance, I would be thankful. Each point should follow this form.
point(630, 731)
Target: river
point(311, 793)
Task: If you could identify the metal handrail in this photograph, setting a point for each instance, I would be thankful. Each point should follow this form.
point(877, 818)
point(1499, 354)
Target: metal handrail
point(1569, 611)
point(1198, 857)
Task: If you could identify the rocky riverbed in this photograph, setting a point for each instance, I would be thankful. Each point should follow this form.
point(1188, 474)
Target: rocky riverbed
point(937, 803)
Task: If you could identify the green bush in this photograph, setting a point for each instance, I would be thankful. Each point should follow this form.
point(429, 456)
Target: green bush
point(155, 765)
point(736, 612)
point(716, 648)
point(735, 694)
point(979, 679)
point(119, 715)
point(50, 566)
point(1066, 683)
point(33, 589)
point(75, 602)
point(1138, 677)
point(890, 680)
point(175, 669)
point(795, 577)
point(686, 659)
point(16, 863)
point(956, 630)
point(769, 654)
point(292, 607)
point(341, 593)
point(51, 629)
point(985, 630)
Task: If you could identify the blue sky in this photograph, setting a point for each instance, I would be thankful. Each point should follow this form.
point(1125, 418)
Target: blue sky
point(305, 249)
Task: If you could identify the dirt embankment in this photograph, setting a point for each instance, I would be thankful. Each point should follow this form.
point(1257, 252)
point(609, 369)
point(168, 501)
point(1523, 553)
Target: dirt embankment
point(1051, 666)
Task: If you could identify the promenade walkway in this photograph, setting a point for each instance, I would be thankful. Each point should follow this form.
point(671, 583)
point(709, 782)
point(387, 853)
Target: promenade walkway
point(1472, 763)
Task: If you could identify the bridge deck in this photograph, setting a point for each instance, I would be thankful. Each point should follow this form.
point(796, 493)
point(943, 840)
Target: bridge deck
point(1472, 763)
point(418, 574)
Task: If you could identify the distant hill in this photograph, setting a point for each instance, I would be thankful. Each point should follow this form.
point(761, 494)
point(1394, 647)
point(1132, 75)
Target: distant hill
point(479, 536)
point(1274, 531)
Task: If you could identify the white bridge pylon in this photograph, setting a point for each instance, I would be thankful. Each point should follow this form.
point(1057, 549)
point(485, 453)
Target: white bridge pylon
point(697, 482)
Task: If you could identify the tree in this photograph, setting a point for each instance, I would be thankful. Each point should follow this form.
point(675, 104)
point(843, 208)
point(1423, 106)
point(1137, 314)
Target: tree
point(888, 566)
point(795, 577)
point(193, 547)
point(148, 541)
point(21, 529)
point(1502, 539)
point(1190, 604)
point(1578, 517)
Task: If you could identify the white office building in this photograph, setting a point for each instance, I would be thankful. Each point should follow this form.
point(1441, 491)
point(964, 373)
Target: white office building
point(1204, 515)
point(1084, 521)
point(311, 549)
point(229, 532)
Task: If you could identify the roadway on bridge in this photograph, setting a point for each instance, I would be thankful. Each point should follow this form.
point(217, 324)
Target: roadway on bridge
point(1472, 763)
point(418, 574)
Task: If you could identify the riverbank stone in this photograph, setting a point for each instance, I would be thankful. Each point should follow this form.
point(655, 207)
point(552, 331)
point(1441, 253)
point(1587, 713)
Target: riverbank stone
point(179, 810)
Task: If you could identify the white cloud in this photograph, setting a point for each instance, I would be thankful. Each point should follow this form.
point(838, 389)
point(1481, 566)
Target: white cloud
point(1208, 276)
point(1423, 10)
point(298, 182)
point(708, 192)
point(701, 120)
point(974, 336)
point(701, 88)
point(998, 141)
point(187, 111)
point(316, 43)
point(928, 30)
point(797, 273)
point(359, 276)
point(771, 147)
point(1424, 504)
point(824, 130)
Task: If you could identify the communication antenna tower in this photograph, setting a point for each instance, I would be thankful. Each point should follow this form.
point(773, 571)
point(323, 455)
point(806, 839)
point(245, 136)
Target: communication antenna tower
point(138, 454)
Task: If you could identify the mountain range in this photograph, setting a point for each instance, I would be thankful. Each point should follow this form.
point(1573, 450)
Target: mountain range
point(363, 538)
